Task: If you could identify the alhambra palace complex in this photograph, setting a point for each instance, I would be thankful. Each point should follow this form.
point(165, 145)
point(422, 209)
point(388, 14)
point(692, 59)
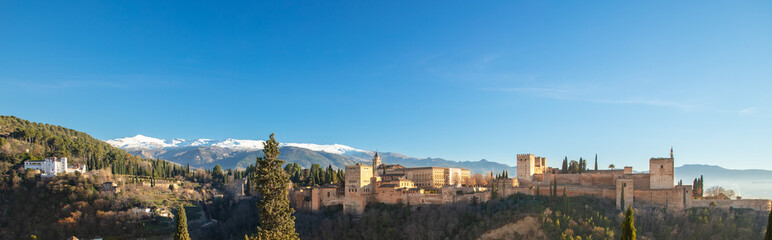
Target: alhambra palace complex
point(437, 185)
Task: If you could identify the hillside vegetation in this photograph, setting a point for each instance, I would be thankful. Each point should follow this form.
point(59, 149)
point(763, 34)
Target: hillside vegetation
point(22, 140)
point(67, 205)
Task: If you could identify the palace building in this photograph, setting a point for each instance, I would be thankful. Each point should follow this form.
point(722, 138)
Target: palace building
point(392, 184)
point(51, 166)
point(395, 184)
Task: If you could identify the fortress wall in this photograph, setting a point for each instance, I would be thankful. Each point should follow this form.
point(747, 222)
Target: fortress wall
point(467, 198)
point(301, 199)
point(390, 196)
point(609, 194)
point(586, 179)
point(329, 197)
point(568, 178)
point(418, 198)
point(599, 179)
point(573, 191)
point(755, 204)
point(543, 191)
point(538, 177)
point(641, 181)
point(603, 179)
point(671, 198)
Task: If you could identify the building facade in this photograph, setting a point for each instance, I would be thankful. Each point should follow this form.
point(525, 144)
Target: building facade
point(391, 184)
point(51, 166)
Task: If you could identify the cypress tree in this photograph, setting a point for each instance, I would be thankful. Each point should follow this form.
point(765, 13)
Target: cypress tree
point(628, 225)
point(596, 162)
point(769, 228)
point(182, 225)
point(565, 165)
point(622, 199)
point(276, 220)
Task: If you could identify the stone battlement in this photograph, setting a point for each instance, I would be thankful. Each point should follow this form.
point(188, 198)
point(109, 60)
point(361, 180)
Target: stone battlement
point(622, 185)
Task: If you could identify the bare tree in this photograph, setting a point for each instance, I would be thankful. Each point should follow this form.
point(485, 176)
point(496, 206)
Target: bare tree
point(718, 192)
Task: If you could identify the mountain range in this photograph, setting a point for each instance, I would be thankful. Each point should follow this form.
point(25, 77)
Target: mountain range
point(235, 153)
point(238, 153)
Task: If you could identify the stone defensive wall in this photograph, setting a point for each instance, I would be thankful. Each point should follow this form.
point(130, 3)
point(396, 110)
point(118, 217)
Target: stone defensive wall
point(571, 191)
point(755, 204)
point(592, 178)
point(679, 197)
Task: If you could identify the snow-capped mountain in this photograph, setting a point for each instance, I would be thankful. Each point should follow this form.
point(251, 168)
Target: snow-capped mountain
point(239, 153)
point(140, 142)
point(143, 142)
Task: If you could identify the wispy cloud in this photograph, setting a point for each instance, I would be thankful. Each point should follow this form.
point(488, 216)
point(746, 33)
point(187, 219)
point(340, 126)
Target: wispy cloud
point(748, 111)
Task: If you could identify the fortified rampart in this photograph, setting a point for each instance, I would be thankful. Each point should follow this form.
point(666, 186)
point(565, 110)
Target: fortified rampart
point(394, 184)
point(755, 204)
point(620, 185)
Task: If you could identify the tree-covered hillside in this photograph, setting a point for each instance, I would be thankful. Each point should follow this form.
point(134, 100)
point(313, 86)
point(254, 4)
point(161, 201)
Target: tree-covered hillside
point(67, 205)
point(22, 140)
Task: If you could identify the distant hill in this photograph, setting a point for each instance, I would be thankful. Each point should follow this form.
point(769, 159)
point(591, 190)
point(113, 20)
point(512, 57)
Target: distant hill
point(751, 183)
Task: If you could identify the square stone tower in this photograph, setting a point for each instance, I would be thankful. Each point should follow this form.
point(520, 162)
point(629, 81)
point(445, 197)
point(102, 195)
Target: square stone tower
point(358, 187)
point(526, 164)
point(358, 179)
point(661, 173)
point(624, 193)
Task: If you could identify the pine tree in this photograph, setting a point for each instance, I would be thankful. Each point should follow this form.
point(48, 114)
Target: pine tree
point(596, 162)
point(276, 220)
point(182, 225)
point(217, 173)
point(769, 228)
point(628, 225)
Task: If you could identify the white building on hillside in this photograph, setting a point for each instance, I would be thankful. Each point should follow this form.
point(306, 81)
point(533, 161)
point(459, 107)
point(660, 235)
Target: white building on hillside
point(52, 166)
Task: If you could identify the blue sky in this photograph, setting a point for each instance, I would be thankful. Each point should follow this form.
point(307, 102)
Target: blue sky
point(457, 80)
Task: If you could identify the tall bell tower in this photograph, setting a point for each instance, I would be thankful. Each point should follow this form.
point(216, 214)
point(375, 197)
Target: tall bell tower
point(376, 163)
